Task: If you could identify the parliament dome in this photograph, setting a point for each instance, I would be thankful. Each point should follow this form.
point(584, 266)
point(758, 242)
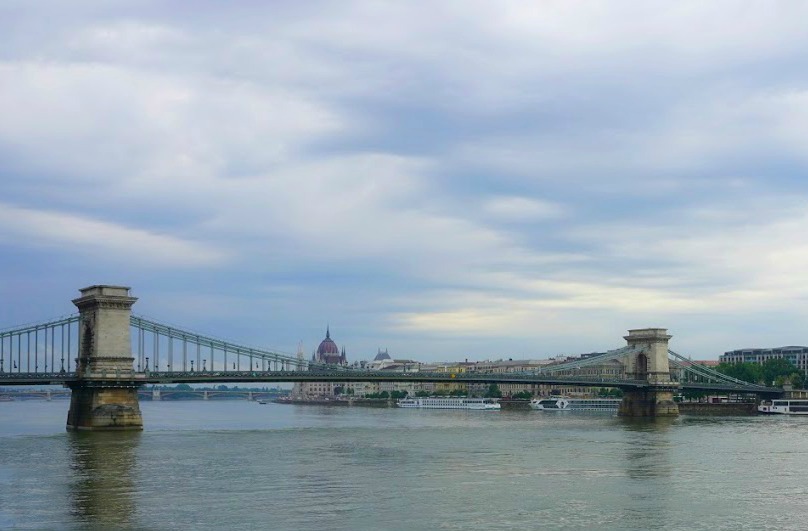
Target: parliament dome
point(328, 352)
point(327, 345)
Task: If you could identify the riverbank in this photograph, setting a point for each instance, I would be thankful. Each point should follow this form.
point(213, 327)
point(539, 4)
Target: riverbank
point(507, 403)
point(341, 402)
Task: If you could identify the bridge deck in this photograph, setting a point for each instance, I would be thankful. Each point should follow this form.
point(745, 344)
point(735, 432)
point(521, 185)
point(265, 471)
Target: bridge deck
point(144, 378)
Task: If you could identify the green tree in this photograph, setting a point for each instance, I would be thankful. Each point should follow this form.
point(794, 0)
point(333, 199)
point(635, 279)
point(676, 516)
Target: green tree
point(523, 395)
point(421, 393)
point(748, 372)
point(493, 391)
point(772, 368)
point(692, 394)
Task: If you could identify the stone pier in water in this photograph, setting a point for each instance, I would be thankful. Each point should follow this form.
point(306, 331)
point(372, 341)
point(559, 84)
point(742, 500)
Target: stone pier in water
point(650, 363)
point(104, 397)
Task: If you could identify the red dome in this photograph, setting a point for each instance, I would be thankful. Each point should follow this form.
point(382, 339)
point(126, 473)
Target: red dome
point(327, 346)
point(328, 351)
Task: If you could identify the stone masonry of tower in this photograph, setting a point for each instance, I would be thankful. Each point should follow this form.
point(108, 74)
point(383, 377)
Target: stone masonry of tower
point(104, 397)
point(649, 363)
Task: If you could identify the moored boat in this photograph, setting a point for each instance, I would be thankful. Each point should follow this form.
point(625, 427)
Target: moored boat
point(437, 402)
point(576, 404)
point(783, 407)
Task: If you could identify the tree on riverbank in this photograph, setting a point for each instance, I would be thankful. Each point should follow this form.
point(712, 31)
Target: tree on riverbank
point(775, 371)
point(522, 395)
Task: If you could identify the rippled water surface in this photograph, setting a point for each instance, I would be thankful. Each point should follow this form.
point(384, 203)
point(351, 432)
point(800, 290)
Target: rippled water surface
point(242, 465)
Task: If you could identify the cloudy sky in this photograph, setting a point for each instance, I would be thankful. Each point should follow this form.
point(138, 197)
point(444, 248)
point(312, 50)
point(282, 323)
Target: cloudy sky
point(447, 180)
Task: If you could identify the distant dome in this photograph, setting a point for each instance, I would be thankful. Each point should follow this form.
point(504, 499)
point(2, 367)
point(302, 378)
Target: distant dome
point(327, 345)
point(328, 352)
point(382, 355)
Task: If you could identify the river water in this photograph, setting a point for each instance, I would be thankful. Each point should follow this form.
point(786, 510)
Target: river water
point(243, 465)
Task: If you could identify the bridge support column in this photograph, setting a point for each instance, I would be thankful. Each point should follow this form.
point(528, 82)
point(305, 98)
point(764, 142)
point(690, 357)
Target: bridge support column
point(649, 364)
point(104, 397)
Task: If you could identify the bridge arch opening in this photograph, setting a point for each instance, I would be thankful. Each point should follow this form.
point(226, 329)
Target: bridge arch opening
point(642, 366)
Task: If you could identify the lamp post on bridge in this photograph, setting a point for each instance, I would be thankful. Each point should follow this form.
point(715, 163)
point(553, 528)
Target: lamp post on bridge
point(192, 365)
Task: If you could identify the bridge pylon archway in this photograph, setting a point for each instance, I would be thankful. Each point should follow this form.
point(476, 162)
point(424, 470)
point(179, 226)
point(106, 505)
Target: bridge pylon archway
point(648, 361)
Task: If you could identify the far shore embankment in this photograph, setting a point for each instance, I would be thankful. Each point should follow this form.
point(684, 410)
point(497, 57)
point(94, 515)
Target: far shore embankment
point(338, 402)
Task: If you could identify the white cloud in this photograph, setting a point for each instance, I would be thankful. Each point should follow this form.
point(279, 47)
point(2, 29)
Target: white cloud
point(105, 241)
point(514, 208)
point(95, 121)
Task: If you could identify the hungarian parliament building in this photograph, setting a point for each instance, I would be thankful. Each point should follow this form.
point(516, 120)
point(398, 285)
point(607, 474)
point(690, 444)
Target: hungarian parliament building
point(329, 353)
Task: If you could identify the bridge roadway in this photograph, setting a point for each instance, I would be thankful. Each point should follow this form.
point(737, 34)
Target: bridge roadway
point(212, 394)
point(191, 377)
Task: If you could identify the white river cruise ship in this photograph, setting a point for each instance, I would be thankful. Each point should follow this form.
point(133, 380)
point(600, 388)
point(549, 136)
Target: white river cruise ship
point(784, 407)
point(610, 405)
point(434, 402)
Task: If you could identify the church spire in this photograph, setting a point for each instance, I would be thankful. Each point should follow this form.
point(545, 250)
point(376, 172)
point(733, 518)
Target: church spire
point(327, 332)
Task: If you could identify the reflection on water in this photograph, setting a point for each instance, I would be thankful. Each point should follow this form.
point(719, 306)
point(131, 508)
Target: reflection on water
point(648, 464)
point(102, 464)
point(660, 424)
point(648, 447)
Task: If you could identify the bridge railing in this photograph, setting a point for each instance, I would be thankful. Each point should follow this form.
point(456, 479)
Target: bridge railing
point(44, 347)
point(708, 374)
point(589, 361)
point(161, 347)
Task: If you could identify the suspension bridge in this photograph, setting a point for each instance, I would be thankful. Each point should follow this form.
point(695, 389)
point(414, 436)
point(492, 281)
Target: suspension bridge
point(104, 354)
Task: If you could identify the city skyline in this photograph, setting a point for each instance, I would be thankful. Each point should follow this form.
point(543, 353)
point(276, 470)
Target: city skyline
point(489, 181)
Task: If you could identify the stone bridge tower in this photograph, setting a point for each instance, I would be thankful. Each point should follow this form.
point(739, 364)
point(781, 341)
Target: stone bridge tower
point(649, 362)
point(104, 396)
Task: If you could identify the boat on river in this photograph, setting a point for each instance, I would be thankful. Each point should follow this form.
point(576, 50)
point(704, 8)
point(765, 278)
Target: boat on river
point(783, 407)
point(437, 402)
point(610, 405)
